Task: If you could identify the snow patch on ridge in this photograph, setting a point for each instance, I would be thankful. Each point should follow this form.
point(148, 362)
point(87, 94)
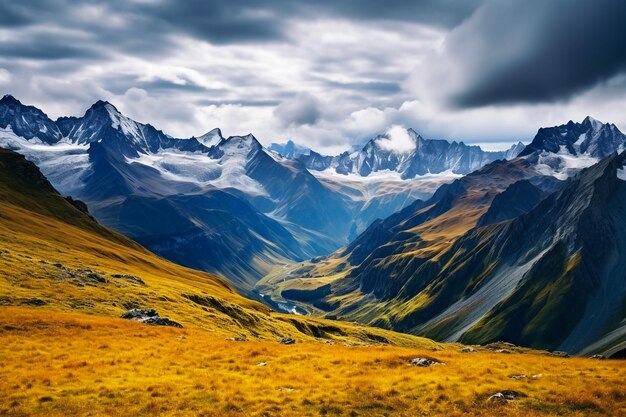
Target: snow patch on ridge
point(200, 169)
point(563, 164)
point(64, 163)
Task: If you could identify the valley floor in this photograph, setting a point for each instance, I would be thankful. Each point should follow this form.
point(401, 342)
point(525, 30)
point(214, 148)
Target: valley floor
point(62, 364)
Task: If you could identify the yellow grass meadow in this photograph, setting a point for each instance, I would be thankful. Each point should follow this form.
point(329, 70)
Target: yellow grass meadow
point(68, 364)
point(64, 281)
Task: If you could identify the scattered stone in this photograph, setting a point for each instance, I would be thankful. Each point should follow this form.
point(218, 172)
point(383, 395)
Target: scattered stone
point(137, 313)
point(536, 376)
point(559, 354)
point(505, 396)
point(599, 357)
point(468, 349)
point(94, 276)
point(34, 302)
point(425, 362)
point(128, 277)
point(261, 364)
point(518, 377)
point(286, 341)
point(503, 351)
point(285, 389)
point(149, 316)
point(161, 321)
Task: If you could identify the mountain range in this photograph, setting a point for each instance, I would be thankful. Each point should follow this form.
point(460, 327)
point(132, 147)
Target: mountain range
point(224, 205)
point(439, 239)
point(408, 154)
point(522, 250)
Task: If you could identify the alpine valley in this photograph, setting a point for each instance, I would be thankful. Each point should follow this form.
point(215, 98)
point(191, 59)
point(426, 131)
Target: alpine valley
point(498, 259)
point(226, 205)
point(527, 250)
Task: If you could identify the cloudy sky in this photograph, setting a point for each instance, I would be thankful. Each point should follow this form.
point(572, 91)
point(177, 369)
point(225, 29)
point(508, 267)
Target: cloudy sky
point(325, 73)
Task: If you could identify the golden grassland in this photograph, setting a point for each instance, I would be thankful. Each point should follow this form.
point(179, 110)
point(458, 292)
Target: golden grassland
point(62, 364)
point(64, 352)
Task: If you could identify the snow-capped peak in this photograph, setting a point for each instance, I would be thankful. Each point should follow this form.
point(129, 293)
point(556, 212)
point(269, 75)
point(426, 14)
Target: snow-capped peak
point(211, 138)
point(594, 123)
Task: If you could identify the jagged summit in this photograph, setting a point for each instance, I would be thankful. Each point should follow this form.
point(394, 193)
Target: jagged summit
point(211, 138)
point(27, 121)
point(8, 98)
point(590, 137)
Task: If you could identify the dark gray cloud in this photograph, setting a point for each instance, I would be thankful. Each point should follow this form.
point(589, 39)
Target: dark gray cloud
point(222, 21)
point(244, 103)
point(538, 51)
point(447, 13)
point(377, 87)
point(303, 109)
point(47, 50)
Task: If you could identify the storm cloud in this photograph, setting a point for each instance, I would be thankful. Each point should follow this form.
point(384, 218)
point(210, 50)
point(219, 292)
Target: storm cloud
point(537, 51)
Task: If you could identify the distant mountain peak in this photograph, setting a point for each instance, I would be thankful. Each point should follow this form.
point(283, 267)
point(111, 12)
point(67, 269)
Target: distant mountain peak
point(592, 121)
point(27, 121)
point(8, 98)
point(590, 137)
point(289, 149)
point(211, 138)
point(406, 152)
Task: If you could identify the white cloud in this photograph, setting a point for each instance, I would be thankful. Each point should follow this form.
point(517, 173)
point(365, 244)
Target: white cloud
point(396, 139)
point(5, 77)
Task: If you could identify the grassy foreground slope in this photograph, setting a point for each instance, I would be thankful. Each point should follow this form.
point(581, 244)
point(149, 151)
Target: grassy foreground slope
point(68, 364)
point(64, 351)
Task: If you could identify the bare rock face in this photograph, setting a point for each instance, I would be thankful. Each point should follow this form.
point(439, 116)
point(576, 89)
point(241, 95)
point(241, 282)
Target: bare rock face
point(149, 316)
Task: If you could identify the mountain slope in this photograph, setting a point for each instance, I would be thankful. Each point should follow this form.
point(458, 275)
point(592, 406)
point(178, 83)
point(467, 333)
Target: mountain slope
point(56, 257)
point(504, 253)
point(105, 159)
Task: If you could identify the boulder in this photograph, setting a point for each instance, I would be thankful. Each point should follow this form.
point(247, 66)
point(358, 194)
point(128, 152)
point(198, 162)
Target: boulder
point(138, 313)
point(599, 357)
point(506, 395)
point(425, 362)
point(468, 349)
point(286, 341)
point(149, 316)
point(34, 302)
point(128, 277)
